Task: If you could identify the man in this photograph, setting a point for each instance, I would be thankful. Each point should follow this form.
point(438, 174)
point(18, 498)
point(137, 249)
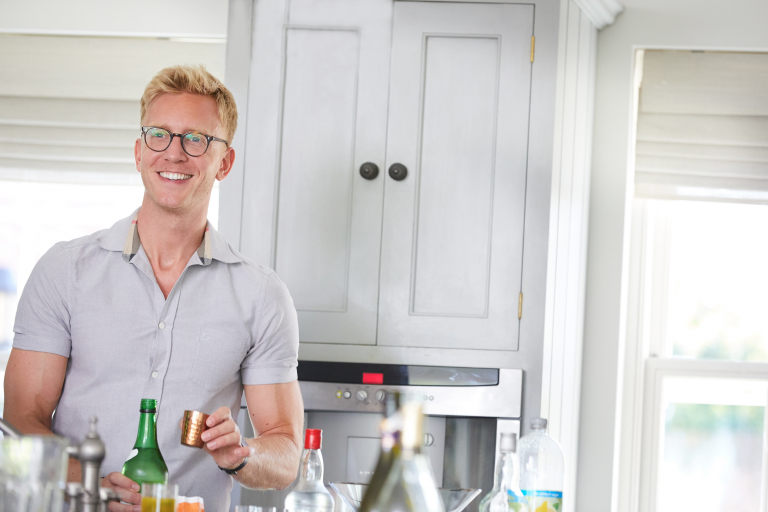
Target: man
point(160, 306)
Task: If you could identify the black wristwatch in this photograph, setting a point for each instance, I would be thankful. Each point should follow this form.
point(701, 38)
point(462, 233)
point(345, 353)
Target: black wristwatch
point(238, 468)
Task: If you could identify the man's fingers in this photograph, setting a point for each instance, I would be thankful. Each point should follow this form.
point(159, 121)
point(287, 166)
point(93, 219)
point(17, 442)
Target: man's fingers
point(119, 507)
point(220, 430)
point(231, 439)
point(115, 479)
point(128, 496)
point(126, 489)
point(221, 415)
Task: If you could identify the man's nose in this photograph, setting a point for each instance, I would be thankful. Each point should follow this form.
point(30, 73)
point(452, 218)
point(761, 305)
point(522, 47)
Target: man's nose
point(175, 151)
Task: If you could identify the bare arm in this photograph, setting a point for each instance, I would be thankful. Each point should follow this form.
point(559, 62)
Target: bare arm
point(277, 414)
point(33, 384)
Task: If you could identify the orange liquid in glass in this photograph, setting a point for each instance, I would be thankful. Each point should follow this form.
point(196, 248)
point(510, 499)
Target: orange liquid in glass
point(149, 504)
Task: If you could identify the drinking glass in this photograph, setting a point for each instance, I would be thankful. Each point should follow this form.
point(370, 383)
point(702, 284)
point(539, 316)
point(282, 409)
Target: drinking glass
point(159, 497)
point(33, 471)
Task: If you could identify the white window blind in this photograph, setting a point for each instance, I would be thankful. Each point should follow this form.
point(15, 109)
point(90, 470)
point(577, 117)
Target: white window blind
point(70, 105)
point(702, 126)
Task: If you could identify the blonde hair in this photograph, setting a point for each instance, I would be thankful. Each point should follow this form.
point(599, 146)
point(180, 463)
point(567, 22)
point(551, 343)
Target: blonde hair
point(197, 80)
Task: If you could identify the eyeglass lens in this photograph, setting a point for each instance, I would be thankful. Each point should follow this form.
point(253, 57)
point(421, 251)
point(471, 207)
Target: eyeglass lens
point(193, 143)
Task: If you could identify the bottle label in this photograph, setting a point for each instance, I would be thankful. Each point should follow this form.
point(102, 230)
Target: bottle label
point(516, 501)
point(544, 501)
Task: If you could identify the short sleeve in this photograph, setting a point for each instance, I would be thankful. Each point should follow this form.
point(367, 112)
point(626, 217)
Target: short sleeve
point(273, 355)
point(42, 318)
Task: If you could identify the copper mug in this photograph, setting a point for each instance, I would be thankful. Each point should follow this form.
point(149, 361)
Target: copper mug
point(192, 427)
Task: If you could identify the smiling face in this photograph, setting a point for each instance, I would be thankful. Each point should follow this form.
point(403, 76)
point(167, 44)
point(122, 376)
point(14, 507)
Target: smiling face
point(173, 180)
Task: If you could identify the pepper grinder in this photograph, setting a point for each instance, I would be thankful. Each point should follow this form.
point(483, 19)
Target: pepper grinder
point(89, 496)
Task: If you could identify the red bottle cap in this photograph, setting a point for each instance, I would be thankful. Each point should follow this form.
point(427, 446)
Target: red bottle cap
point(313, 439)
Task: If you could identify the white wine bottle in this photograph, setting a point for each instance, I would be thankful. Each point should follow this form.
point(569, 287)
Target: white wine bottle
point(506, 494)
point(390, 431)
point(410, 485)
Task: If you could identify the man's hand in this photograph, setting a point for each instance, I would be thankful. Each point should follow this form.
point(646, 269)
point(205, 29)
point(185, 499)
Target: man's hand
point(127, 489)
point(222, 439)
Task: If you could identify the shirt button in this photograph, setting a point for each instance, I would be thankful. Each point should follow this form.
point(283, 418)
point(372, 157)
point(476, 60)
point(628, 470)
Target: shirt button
point(154, 375)
point(162, 325)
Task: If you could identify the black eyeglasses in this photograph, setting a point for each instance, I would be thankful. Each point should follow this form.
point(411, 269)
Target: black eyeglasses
point(193, 143)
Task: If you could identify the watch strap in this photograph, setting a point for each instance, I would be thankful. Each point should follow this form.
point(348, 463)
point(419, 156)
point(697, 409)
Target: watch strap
point(242, 464)
point(234, 470)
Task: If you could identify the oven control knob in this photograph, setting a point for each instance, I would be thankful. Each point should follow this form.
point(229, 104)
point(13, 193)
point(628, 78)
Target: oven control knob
point(347, 394)
point(361, 395)
point(381, 395)
point(429, 440)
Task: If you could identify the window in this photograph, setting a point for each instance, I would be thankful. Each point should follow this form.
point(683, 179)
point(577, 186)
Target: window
point(696, 369)
point(714, 299)
point(705, 283)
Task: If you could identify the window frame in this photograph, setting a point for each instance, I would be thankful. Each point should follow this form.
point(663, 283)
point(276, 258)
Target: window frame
point(657, 370)
point(648, 362)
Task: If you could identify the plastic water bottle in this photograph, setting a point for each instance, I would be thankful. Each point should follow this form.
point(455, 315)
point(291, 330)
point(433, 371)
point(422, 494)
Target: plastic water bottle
point(506, 495)
point(542, 468)
point(310, 493)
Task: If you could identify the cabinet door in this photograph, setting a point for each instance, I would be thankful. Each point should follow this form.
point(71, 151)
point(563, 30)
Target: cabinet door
point(317, 112)
point(453, 228)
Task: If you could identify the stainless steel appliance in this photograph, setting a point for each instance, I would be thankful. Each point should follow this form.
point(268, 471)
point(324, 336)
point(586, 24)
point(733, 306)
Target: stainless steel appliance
point(467, 409)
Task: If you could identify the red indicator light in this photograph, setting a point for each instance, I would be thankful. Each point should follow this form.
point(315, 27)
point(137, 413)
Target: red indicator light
point(373, 378)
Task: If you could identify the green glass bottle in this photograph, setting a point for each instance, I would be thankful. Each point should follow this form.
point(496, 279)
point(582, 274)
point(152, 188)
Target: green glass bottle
point(146, 464)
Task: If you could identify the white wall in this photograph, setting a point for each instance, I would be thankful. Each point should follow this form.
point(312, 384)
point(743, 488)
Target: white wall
point(696, 24)
point(200, 18)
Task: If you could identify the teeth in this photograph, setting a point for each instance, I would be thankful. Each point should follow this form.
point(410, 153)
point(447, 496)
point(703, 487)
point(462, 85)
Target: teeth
point(175, 176)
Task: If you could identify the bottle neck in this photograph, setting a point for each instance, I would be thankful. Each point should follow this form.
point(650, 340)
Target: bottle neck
point(312, 466)
point(388, 441)
point(147, 435)
point(509, 474)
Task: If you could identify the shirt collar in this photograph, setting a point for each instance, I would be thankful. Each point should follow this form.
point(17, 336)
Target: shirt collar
point(124, 236)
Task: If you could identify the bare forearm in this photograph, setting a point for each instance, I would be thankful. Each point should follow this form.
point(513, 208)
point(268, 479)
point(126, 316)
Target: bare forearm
point(33, 383)
point(273, 464)
point(31, 425)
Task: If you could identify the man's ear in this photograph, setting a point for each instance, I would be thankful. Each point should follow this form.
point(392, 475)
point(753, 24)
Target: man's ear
point(137, 154)
point(227, 161)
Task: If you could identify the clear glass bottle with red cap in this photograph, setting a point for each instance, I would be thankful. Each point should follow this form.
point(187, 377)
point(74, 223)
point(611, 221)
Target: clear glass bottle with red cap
point(310, 493)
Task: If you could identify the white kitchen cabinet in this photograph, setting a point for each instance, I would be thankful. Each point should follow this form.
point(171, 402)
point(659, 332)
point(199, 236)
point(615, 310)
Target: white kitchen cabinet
point(433, 260)
point(452, 240)
point(317, 108)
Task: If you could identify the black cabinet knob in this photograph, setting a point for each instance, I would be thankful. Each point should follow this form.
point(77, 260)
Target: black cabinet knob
point(369, 170)
point(398, 172)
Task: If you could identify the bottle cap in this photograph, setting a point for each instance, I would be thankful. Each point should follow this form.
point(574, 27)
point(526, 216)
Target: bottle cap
point(313, 439)
point(148, 405)
point(538, 423)
point(508, 443)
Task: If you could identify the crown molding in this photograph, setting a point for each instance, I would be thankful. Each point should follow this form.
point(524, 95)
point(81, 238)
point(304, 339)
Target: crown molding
point(601, 12)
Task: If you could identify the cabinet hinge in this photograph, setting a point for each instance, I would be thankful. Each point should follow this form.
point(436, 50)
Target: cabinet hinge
point(520, 307)
point(533, 46)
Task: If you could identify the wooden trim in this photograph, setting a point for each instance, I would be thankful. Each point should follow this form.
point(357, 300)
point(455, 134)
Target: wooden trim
point(601, 12)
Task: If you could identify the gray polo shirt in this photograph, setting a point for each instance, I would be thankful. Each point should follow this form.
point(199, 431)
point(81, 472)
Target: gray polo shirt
point(226, 322)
